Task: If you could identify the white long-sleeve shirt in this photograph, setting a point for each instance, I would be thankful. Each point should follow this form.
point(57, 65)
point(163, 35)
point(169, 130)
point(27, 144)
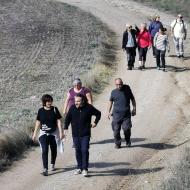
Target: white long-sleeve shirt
point(179, 28)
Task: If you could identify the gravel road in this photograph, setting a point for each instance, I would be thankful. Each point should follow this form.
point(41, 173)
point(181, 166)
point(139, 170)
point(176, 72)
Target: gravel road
point(162, 109)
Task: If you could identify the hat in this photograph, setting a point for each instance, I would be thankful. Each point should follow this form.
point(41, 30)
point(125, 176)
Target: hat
point(180, 16)
point(77, 81)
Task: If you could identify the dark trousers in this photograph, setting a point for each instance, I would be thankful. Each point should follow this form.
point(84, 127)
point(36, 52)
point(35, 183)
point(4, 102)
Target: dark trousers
point(82, 151)
point(142, 53)
point(131, 54)
point(153, 47)
point(126, 126)
point(45, 141)
point(160, 54)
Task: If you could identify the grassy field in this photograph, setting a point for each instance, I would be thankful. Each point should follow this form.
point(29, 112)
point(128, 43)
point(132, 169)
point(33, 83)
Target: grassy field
point(44, 45)
point(173, 6)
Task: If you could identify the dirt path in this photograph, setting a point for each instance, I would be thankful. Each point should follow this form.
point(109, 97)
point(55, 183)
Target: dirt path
point(162, 107)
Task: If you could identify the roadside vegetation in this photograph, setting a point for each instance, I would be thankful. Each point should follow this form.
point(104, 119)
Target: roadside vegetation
point(44, 46)
point(172, 6)
point(180, 174)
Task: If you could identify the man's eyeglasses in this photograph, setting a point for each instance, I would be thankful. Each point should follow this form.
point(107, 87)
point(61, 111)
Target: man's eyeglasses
point(120, 84)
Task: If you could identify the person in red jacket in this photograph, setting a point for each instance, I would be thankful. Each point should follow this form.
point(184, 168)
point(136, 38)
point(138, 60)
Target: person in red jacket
point(144, 43)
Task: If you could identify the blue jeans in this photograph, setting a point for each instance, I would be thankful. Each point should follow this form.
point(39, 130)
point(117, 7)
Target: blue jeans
point(160, 54)
point(82, 151)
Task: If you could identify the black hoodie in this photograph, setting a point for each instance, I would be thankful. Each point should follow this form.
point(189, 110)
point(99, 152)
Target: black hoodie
point(80, 119)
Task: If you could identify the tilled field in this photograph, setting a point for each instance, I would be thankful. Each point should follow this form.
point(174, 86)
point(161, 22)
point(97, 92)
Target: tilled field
point(43, 46)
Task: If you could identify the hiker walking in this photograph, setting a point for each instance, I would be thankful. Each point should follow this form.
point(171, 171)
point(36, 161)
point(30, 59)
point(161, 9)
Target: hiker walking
point(154, 27)
point(48, 120)
point(179, 34)
point(161, 43)
point(143, 43)
point(77, 89)
point(79, 115)
point(129, 45)
point(120, 101)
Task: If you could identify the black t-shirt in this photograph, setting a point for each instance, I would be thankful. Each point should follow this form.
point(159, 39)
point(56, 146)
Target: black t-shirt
point(121, 99)
point(48, 119)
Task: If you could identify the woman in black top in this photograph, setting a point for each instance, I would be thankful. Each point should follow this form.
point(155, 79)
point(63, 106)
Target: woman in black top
point(48, 120)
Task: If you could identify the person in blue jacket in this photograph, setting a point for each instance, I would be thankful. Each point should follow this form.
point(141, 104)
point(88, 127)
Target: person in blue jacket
point(154, 27)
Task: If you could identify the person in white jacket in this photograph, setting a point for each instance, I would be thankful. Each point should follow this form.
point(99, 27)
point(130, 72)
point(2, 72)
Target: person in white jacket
point(179, 33)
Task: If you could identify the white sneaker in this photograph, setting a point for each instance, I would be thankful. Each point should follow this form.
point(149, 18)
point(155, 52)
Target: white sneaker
point(45, 172)
point(52, 167)
point(85, 173)
point(78, 171)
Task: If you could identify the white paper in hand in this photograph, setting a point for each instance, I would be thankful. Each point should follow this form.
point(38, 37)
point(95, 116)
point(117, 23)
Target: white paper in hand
point(60, 146)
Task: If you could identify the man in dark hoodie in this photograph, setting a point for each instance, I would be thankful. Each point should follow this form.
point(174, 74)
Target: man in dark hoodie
point(129, 45)
point(154, 27)
point(79, 115)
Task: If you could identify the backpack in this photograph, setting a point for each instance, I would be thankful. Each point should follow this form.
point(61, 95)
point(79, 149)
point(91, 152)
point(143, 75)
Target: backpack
point(176, 23)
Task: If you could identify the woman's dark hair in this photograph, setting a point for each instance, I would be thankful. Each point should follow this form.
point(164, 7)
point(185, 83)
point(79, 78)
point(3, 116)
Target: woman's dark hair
point(46, 98)
point(163, 29)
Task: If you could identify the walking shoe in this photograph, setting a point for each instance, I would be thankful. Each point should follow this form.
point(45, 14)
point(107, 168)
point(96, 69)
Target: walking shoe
point(178, 56)
point(78, 171)
point(128, 144)
point(85, 173)
point(140, 68)
point(164, 69)
point(52, 167)
point(143, 67)
point(45, 172)
point(158, 68)
point(117, 146)
point(182, 56)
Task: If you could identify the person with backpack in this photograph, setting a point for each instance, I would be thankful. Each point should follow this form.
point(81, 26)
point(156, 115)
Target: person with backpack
point(154, 27)
point(80, 116)
point(143, 43)
point(120, 99)
point(48, 121)
point(129, 45)
point(161, 43)
point(179, 34)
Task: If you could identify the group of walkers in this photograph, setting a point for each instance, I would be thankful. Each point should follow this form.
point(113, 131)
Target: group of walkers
point(78, 111)
point(154, 36)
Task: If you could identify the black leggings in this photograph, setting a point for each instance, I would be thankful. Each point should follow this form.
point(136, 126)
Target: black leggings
point(45, 141)
point(142, 53)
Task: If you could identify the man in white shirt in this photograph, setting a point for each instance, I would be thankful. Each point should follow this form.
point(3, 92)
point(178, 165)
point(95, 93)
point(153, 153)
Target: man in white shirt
point(179, 33)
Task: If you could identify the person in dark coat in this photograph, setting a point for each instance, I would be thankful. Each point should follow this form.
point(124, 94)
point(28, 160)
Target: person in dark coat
point(129, 45)
point(79, 116)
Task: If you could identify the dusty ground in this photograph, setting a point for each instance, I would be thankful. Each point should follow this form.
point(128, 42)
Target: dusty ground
point(162, 113)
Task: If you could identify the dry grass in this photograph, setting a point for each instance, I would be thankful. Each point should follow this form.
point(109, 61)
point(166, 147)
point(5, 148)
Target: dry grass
point(172, 6)
point(180, 179)
point(12, 144)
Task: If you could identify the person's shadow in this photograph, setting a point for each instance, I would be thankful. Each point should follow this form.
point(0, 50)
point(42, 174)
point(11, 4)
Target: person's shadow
point(123, 170)
point(106, 141)
point(171, 68)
